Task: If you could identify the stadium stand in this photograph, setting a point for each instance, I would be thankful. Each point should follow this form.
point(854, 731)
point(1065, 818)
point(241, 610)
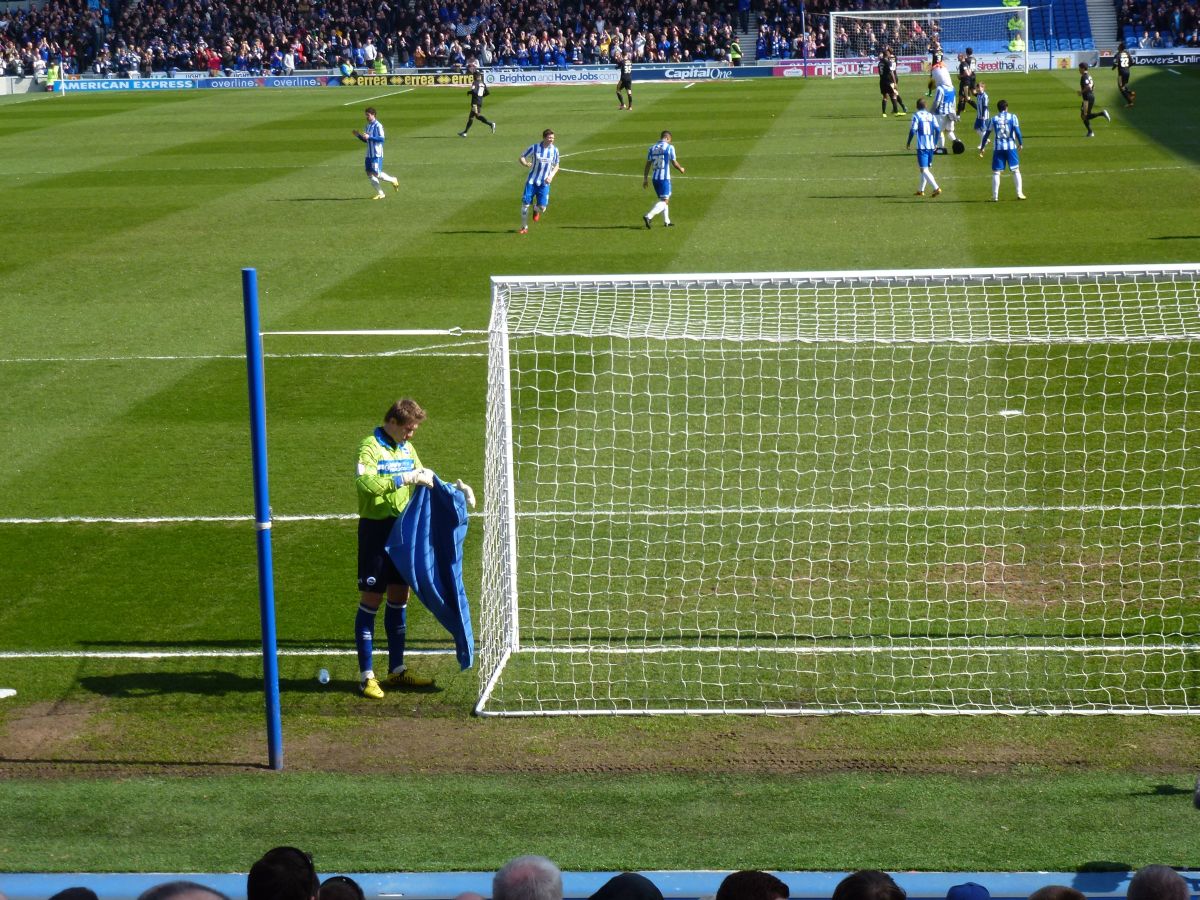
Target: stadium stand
point(1063, 25)
point(1145, 24)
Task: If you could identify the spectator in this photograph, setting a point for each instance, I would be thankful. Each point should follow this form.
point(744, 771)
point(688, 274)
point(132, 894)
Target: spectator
point(1158, 883)
point(526, 878)
point(1057, 892)
point(75, 893)
point(628, 886)
point(867, 884)
point(181, 890)
point(752, 885)
point(283, 873)
point(338, 887)
point(968, 891)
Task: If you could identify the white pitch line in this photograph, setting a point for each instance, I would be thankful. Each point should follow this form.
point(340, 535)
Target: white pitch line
point(877, 647)
point(379, 332)
point(417, 351)
point(190, 654)
point(1174, 71)
point(884, 178)
point(378, 96)
point(166, 520)
point(690, 84)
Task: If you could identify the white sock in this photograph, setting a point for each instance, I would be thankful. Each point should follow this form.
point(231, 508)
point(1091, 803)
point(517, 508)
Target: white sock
point(375, 184)
point(922, 179)
point(995, 185)
point(656, 209)
point(524, 216)
point(927, 175)
point(388, 178)
point(1017, 180)
point(363, 676)
point(666, 214)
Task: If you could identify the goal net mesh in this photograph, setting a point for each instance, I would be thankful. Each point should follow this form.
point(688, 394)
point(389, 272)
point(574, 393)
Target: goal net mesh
point(863, 34)
point(868, 492)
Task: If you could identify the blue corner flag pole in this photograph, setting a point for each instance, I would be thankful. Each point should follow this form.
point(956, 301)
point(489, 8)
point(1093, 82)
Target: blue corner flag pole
point(262, 515)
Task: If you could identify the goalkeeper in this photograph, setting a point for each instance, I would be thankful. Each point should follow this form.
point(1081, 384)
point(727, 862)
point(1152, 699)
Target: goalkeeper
point(389, 470)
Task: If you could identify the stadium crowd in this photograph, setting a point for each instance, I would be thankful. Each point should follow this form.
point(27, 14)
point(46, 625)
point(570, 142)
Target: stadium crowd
point(225, 36)
point(288, 873)
point(231, 35)
point(1159, 23)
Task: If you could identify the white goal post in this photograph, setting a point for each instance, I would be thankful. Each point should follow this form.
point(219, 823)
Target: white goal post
point(998, 37)
point(954, 491)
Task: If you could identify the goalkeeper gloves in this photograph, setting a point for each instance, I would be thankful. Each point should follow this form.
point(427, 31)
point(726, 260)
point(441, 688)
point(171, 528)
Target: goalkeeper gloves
point(467, 492)
point(423, 477)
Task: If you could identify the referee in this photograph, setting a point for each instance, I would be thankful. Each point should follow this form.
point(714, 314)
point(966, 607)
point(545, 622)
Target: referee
point(388, 472)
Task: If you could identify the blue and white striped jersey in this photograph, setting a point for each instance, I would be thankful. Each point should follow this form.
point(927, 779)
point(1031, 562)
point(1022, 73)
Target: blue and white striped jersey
point(544, 159)
point(374, 133)
point(925, 128)
point(1006, 131)
point(981, 106)
point(661, 155)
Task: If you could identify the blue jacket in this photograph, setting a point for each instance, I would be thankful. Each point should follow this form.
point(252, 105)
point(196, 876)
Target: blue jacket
point(426, 544)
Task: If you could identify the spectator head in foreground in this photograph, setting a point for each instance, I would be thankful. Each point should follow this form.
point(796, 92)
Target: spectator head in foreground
point(181, 890)
point(751, 884)
point(1158, 883)
point(75, 893)
point(628, 886)
point(283, 873)
point(1057, 892)
point(526, 878)
point(340, 887)
point(968, 891)
point(868, 884)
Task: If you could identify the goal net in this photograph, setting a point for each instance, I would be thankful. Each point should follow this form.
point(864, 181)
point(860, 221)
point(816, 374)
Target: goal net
point(960, 491)
point(997, 36)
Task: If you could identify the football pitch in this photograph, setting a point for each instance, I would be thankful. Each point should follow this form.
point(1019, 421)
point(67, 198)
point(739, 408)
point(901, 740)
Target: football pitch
point(129, 619)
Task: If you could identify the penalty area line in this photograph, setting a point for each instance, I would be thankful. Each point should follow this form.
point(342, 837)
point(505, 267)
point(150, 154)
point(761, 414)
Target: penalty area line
point(378, 97)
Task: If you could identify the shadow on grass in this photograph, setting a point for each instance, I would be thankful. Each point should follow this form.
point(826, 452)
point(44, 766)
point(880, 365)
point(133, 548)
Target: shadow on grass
point(853, 196)
point(1176, 237)
point(316, 199)
point(249, 644)
point(477, 231)
point(1163, 790)
point(604, 227)
point(212, 683)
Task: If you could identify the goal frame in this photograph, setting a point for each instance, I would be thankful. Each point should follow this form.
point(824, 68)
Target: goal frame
point(501, 520)
point(911, 14)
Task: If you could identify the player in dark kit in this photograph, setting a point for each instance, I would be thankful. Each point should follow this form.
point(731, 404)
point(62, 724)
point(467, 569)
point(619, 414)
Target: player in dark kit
point(966, 80)
point(478, 91)
point(889, 86)
point(1087, 90)
point(1122, 63)
point(625, 68)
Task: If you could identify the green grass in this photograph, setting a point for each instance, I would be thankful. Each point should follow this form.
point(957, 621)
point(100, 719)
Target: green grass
point(125, 221)
point(638, 822)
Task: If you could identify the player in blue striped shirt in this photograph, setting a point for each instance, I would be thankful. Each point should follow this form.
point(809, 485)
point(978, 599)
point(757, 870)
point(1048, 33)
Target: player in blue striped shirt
point(1006, 133)
point(944, 104)
point(542, 162)
point(659, 162)
point(373, 138)
point(982, 112)
point(925, 129)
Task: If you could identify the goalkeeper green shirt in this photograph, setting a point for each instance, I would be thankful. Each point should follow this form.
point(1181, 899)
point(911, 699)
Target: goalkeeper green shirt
point(380, 460)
